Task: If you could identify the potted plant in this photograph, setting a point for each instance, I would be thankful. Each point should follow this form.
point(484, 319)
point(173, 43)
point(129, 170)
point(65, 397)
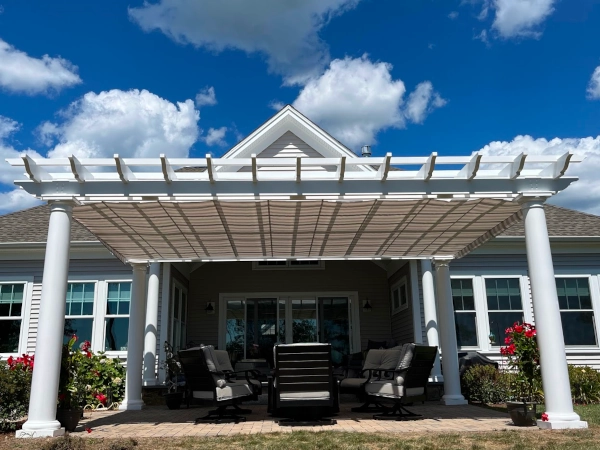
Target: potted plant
point(70, 392)
point(523, 355)
point(173, 398)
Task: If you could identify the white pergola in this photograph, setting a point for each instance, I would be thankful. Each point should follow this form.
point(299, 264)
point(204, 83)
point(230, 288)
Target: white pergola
point(430, 208)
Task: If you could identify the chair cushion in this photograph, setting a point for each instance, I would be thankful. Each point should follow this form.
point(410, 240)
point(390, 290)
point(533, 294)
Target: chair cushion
point(223, 360)
point(380, 359)
point(406, 357)
point(390, 389)
point(232, 389)
point(316, 395)
point(211, 358)
point(352, 384)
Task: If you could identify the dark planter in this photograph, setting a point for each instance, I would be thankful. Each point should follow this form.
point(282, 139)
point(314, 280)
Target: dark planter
point(174, 399)
point(69, 418)
point(522, 413)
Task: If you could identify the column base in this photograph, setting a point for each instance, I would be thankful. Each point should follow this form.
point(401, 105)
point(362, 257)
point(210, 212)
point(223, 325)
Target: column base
point(151, 382)
point(561, 424)
point(52, 428)
point(453, 400)
point(131, 405)
point(436, 379)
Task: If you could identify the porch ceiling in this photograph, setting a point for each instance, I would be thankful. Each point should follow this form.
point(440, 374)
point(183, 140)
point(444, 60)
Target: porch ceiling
point(266, 229)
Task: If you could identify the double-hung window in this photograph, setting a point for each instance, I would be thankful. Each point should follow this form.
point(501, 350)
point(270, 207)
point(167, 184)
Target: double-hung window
point(576, 311)
point(79, 314)
point(117, 316)
point(11, 314)
point(504, 304)
point(400, 296)
point(464, 312)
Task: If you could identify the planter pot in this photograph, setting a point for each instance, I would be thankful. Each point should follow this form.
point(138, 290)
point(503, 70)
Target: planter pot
point(522, 413)
point(173, 400)
point(69, 418)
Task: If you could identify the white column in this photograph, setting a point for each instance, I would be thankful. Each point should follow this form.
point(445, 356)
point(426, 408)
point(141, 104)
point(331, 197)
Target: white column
point(430, 313)
point(41, 420)
point(151, 331)
point(447, 329)
point(553, 360)
point(135, 340)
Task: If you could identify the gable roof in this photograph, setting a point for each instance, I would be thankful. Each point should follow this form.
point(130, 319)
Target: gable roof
point(31, 226)
point(289, 119)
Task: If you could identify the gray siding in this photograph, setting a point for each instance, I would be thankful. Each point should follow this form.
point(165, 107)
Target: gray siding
point(364, 277)
point(402, 322)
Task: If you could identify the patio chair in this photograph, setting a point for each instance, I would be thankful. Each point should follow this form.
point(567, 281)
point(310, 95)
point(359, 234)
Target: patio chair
point(408, 385)
point(303, 389)
point(377, 363)
point(206, 380)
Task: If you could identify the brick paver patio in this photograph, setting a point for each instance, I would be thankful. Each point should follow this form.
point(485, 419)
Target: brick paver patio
point(158, 421)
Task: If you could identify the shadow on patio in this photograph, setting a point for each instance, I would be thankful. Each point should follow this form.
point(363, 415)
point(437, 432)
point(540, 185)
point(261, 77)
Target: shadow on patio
point(158, 421)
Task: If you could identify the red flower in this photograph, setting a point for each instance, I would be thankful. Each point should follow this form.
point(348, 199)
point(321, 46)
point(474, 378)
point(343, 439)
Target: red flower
point(518, 328)
point(507, 340)
point(530, 333)
point(61, 397)
point(508, 330)
point(544, 417)
point(89, 430)
point(101, 398)
point(88, 354)
point(511, 349)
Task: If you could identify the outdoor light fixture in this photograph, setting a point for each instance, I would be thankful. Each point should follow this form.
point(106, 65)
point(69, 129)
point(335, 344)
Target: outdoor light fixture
point(210, 308)
point(367, 306)
point(492, 338)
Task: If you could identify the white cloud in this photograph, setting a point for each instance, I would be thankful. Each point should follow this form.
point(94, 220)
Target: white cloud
point(131, 123)
point(22, 73)
point(515, 18)
point(286, 32)
point(215, 136)
point(7, 127)
point(422, 101)
point(276, 105)
point(593, 90)
point(355, 99)
point(453, 15)
point(206, 97)
point(16, 200)
point(483, 37)
point(582, 195)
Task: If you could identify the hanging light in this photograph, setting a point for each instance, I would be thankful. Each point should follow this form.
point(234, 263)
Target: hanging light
point(367, 306)
point(210, 308)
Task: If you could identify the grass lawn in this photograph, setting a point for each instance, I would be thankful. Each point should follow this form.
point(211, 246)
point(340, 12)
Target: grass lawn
point(522, 439)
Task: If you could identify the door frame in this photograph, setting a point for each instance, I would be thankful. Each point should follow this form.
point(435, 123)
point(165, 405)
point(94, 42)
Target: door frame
point(354, 310)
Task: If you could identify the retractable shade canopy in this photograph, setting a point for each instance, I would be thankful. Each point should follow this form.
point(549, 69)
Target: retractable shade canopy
point(272, 208)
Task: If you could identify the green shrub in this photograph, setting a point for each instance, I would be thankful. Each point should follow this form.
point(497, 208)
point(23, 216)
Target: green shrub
point(486, 384)
point(15, 386)
point(585, 385)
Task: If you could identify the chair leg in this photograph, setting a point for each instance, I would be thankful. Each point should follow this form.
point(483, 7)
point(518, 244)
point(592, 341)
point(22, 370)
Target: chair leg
point(236, 410)
point(398, 412)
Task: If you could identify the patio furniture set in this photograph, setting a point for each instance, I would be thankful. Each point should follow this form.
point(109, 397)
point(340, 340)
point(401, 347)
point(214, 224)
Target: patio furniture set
point(302, 388)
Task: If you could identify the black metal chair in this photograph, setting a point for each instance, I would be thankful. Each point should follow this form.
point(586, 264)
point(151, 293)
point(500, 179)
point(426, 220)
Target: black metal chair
point(378, 363)
point(408, 385)
point(303, 389)
point(206, 380)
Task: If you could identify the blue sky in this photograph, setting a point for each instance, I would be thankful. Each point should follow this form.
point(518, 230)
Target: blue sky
point(186, 77)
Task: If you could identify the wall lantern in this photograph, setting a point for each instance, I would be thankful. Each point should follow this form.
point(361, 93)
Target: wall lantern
point(210, 308)
point(367, 306)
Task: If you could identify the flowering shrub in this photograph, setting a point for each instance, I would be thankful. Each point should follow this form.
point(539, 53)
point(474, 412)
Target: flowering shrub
point(485, 384)
point(15, 386)
point(89, 379)
point(524, 359)
point(585, 385)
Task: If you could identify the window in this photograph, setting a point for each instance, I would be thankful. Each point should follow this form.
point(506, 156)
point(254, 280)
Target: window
point(11, 313)
point(504, 306)
point(79, 313)
point(465, 316)
point(400, 296)
point(179, 317)
point(289, 264)
point(576, 312)
point(117, 316)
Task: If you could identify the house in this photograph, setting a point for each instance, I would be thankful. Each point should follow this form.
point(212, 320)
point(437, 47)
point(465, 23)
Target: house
point(289, 238)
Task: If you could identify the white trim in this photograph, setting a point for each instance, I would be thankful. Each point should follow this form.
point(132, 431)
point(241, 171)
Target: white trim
point(25, 318)
point(402, 282)
point(319, 266)
point(182, 289)
point(477, 299)
point(416, 302)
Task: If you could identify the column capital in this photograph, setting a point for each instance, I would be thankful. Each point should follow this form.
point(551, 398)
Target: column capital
point(139, 266)
point(527, 202)
point(61, 205)
point(441, 262)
